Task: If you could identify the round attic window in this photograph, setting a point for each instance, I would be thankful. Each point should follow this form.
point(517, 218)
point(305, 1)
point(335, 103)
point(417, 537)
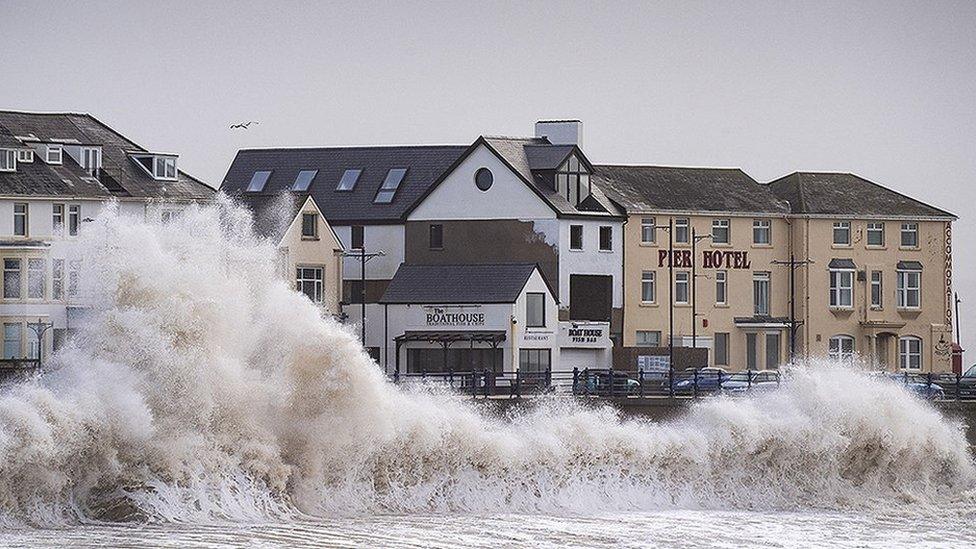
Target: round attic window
point(483, 179)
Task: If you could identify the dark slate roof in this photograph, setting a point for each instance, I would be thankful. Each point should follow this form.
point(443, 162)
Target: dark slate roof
point(424, 164)
point(547, 157)
point(520, 152)
point(821, 193)
point(651, 188)
point(841, 263)
point(434, 284)
point(909, 266)
point(273, 214)
point(69, 180)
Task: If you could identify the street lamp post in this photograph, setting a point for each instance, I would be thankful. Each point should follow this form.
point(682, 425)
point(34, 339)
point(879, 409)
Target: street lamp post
point(793, 264)
point(363, 258)
point(40, 328)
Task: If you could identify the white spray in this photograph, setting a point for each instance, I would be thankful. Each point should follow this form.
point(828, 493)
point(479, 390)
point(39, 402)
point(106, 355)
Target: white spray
point(204, 388)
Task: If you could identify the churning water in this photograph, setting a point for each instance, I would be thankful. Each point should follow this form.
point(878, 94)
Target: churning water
point(207, 403)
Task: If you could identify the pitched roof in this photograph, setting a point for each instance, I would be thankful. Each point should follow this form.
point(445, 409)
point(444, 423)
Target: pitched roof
point(121, 176)
point(434, 284)
point(521, 152)
point(273, 214)
point(424, 164)
point(829, 193)
point(650, 188)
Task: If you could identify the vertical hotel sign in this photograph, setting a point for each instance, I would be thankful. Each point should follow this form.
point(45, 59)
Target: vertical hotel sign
point(948, 276)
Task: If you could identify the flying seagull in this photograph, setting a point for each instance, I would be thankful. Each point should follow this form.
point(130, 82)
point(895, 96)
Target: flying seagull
point(242, 125)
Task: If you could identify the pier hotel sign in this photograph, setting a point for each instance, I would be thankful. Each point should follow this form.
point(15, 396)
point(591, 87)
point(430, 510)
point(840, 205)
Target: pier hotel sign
point(710, 259)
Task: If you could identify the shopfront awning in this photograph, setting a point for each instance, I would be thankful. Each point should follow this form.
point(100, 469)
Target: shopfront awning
point(451, 336)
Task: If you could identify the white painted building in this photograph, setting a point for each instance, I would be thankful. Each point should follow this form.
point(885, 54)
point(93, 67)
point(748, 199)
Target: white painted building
point(58, 171)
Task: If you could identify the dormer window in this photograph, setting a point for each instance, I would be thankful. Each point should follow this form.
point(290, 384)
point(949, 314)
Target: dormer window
point(390, 185)
point(25, 156)
point(257, 181)
point(91, 159)
point(8, 160)
point(573, 181)
point(53, 154)
point(164, 167)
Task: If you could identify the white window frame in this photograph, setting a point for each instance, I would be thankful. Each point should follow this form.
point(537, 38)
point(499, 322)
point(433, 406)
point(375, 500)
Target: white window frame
point(315, 226)
point(841, 225)
point(906, 290)
point(36, 277)
point(317, 281)
point(644, 338)
point(875, 227)
point(8, 160)
point(682, 279)
point(762, 226)
point(760, 300)
point(582, 239)
point(877, 289)
point(74, 219)
point(721, 287)
point(841, 347)
point(685, 224)
point(24, 215)
point(13, 292)
point(19, 342)
point(535, 323)
point(648, 280)
point(906, 353)
point(58, 151)
point(839, 290)
point(25, 156)
point(164, 168)
point(648, 230)
point(720, 225)
point(908, 228)
point(57, 279)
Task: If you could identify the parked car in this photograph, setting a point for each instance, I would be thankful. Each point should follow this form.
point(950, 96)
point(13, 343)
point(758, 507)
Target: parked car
point(926, 391)
point(704, 380)
point(741, 382)
point(600, 382)
point(967, 384)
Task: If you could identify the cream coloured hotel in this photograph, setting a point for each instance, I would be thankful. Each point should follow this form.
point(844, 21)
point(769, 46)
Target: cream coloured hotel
point(812, 264)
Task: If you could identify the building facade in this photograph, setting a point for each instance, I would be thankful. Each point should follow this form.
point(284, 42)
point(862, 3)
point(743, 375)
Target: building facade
point(58, 171)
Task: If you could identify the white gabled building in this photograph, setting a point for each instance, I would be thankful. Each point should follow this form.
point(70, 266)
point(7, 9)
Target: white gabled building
point(57, 171)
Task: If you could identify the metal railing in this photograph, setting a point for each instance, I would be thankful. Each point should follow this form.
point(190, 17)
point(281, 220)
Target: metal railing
point(641, 384)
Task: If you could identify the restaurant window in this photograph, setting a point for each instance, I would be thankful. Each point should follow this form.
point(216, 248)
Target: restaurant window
point(575, 237)
point(308, 280)
point(681, 294)
point(841, 347)
point(436, 237)
point(842, 233)
point(356, 237)
point(910, 353)
point(310, 226)
point(721, 287)
point(648, 287)
point(909, 235)
point(12, 335)
point(721, 349)
point(11, 278)
point(877, 290)
point(534, 361)
point(20, 219)
point(681, 233)
point(760, 288)
point(535, 310)
point(648, 338)
point(648, 230)
point(841, 288)
point(909, 289)
point(606, 238)
point(720, 231)
point(876, 236)
point(761, 229)
point(36, 277)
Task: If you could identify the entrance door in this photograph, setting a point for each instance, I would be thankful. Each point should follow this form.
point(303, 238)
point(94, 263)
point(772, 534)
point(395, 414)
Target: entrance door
point(882, 344)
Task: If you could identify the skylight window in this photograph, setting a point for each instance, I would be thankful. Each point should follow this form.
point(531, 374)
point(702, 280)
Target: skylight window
point(390, 186)
point(257, 182)
point(304, 180)
point(348, 181)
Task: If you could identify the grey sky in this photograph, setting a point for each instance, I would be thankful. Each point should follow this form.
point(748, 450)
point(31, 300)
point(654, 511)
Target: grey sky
point(885, 90)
